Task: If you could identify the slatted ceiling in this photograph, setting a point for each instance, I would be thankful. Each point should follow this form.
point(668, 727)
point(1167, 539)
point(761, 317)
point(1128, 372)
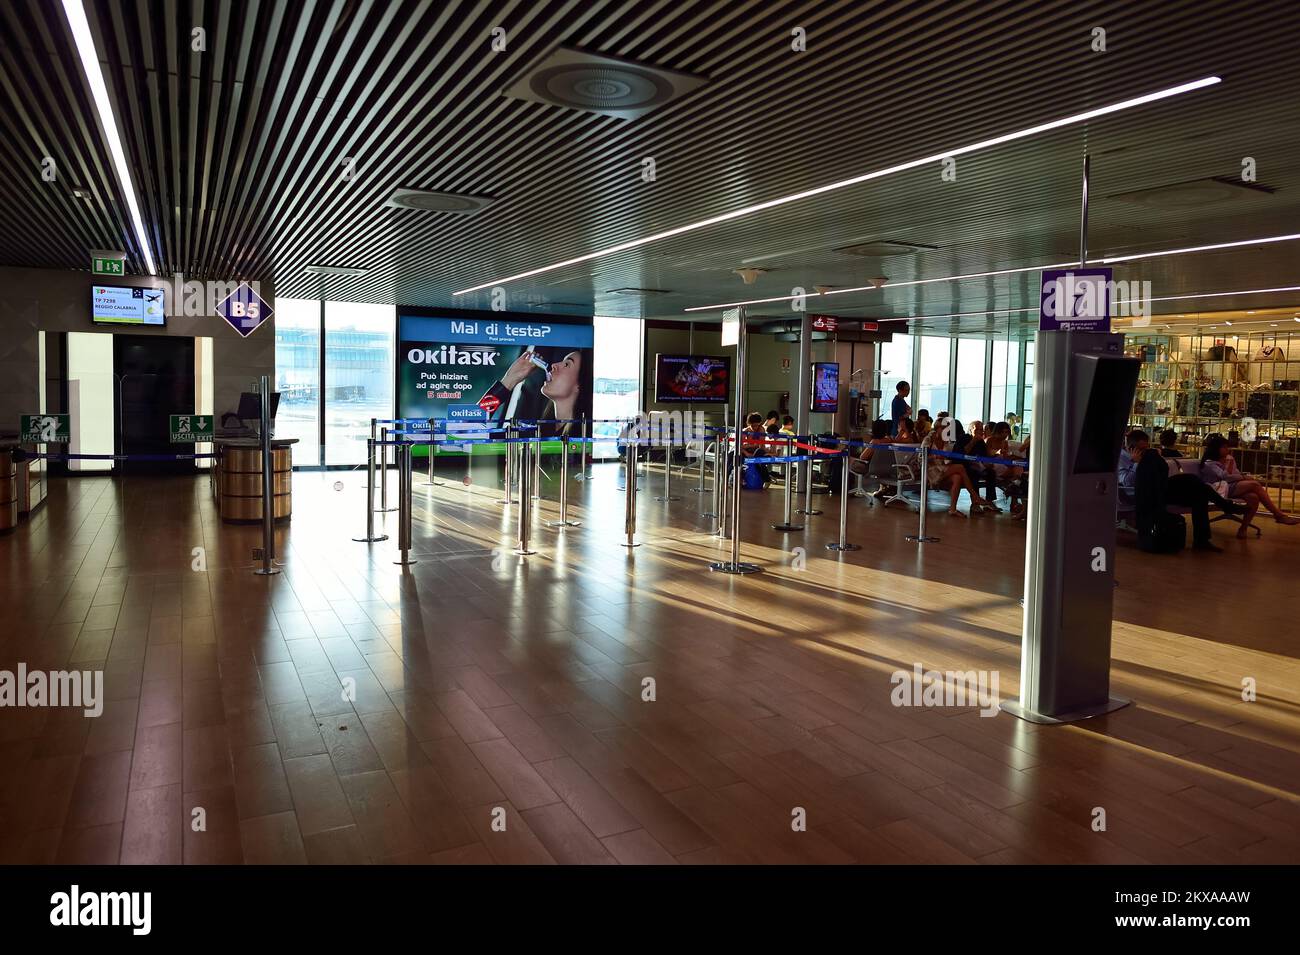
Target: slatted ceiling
point(237, 152)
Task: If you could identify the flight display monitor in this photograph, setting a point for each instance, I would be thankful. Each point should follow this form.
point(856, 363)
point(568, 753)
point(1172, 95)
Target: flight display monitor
point(122, 305)
point(692, 378)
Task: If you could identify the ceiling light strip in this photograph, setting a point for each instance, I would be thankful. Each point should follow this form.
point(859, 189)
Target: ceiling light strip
point(1032, 268)
point(80, 27)
point(865, 177)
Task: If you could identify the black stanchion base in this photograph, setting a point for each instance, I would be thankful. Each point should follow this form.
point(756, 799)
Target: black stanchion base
point(836, 545)
point(630, 546)
point(727, 567)
point(564, 523)
point(665, 500)
point(386, 510)
point(523, 553)
point(811, 513)
point(407, 562)
point(787, 527)
point(918, 539)
point(266, 572)
point(371, 540)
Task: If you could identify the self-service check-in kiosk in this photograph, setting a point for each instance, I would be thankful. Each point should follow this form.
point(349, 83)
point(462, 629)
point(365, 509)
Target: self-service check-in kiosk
point(1083, 392)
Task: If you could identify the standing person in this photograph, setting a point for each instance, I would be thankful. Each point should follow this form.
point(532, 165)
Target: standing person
point(900, 409)
point(1219, 469)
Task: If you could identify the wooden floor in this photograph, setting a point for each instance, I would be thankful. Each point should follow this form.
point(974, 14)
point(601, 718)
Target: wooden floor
point(487, 682)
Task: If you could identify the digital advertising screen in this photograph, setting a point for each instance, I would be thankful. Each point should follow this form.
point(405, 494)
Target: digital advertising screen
point(702, 378)
point(826, 387)
point(117, 305)
point(493, 367)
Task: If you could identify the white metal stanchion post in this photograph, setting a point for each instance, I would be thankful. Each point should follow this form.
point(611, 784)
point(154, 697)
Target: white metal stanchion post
point(433, 454)
point(371, 536)
point(564, 487)
point(735, 565)
point(629, 495)
point(722, 487)
point(268, 487)
point(842, 543)
point(383, 471)
point(919, 537)
point(791, 469)
point(667, 495)
point(808, 508)
point(525, 498)
point(509, 466)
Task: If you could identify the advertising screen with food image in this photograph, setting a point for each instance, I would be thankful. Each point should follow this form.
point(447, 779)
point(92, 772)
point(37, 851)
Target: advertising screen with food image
point(513, 367)
point(702, 378)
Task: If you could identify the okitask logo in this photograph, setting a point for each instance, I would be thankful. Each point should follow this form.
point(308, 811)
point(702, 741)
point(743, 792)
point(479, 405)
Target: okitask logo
point(75, 908)
point(451, 355)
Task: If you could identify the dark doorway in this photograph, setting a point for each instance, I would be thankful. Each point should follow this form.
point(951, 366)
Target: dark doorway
point(155, 379)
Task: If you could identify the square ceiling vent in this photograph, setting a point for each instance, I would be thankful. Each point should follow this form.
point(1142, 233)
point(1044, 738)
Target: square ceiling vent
point(1191, 195)
point(576, 79)
point(426, 200)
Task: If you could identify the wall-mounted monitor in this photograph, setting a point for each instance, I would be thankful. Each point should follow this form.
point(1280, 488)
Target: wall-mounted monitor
point(826, 387)
point(702, 378)
point(120, 305)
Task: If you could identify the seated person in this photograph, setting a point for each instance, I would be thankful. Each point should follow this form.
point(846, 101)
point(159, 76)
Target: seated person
point(998, 445)
point(753, 446)
point(787, 425)
point(1219, 469)
point(980, 474)
point(1169, 444)
point(923, 424)
point(945, 474)
point(906, 433)
point(772, 423)
point(1154, 489)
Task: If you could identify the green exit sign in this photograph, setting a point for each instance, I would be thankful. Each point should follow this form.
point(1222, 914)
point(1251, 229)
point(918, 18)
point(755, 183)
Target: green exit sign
point(191, 427)
point(106, 266)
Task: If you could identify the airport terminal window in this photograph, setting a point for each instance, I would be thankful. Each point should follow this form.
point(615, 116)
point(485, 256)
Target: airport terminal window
point(297, 376)
point(1005, 380)
point(970, 379)
point(895, 365)
point(932, 378)
point(359, 347)
point(617, 370)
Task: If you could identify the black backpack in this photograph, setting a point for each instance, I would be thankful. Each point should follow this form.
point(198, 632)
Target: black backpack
point(1169, 535)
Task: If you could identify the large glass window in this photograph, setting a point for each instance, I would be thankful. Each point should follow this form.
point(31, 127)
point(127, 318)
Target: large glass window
point(93, 393)
point(1006, 380)
point(617, 368)
point(895, 366)
point(297, 376)
point(932, 384)
point(1026, 420)
point(359, 345)
point(969, 405)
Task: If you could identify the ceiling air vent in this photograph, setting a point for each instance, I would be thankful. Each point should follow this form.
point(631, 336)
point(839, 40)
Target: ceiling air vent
point(884, 248)
point(333, 270)
point(576, 79)
point(427, 201)
point(1191, 195)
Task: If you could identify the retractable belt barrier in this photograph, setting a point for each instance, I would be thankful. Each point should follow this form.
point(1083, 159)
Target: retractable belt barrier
point(74, 456)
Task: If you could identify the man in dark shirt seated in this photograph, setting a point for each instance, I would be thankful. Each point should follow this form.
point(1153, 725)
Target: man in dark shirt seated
point(1154, 489)
point(1169, 444)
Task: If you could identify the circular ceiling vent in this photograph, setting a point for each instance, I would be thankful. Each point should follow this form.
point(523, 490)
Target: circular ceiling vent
point(427, 201)
point(576, 79)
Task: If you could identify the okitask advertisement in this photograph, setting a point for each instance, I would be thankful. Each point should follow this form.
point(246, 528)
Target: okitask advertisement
point(512, 367)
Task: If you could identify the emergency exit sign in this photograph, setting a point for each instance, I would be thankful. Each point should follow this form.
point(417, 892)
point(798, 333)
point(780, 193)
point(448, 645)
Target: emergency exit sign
point(186, 428)
point(103, 265)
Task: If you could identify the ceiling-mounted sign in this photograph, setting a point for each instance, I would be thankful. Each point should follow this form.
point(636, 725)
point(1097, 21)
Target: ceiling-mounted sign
point(107, 263)
point(1075, 299)
point(191, 427)
point(825, 323)
point(731, 327)
point(244, 310)
point(44, 428)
